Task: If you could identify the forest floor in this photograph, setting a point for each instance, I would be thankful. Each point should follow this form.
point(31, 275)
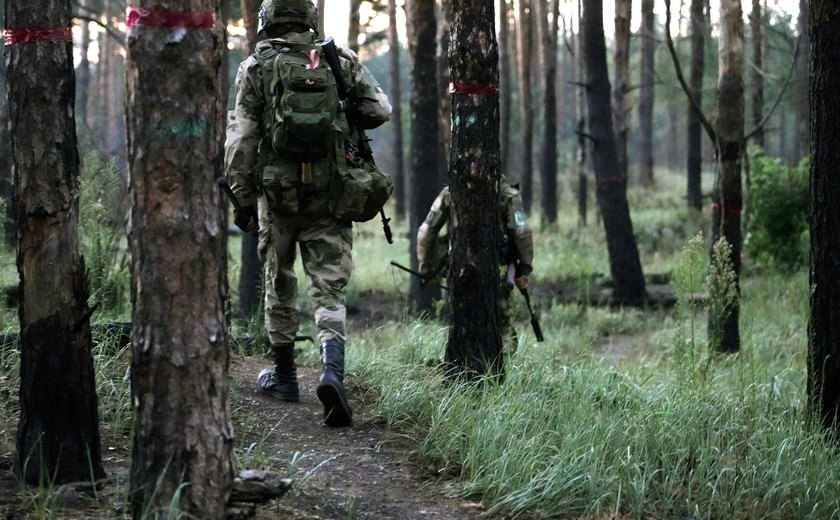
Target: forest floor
point(364, 471)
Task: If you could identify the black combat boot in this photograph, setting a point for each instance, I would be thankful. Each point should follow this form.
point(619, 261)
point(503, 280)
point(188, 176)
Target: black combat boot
point(281, 381)
point(330, 391)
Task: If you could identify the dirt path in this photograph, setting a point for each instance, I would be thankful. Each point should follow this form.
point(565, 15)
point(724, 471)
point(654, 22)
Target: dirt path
point(356, 472)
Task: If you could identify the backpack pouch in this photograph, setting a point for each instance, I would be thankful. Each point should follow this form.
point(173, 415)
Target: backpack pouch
point(280, 185)
point(358, 194)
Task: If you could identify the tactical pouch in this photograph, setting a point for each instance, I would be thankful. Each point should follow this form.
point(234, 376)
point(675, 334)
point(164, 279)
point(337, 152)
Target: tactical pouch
point(358, 194)
point(281, 189)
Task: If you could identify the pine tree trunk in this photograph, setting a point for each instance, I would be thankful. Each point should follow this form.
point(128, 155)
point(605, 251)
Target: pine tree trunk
point(321, 14)
point(695, 128)
point(727, 198)
point(474, 347)
point(425, 138)
point(354, 26)
point(395, 96)
point(621, 81)
point(757, 72)
point(802, 137)
point(445, 108)
point(647, 80)
point(505, 83)
point(581, 126)
point(524, 35)
point(58, 436)
point(8, 215)
point(182, 432)
point(610, 182)
point(83, 71)
point(823, 330)
point(548, 158)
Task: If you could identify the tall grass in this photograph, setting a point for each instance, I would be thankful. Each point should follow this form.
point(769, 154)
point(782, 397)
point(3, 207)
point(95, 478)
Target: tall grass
point(669, 430)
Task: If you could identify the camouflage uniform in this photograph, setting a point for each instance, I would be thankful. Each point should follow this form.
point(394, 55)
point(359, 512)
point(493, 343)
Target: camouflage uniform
point(289, 213)
point(517, 248)
point(262, 177)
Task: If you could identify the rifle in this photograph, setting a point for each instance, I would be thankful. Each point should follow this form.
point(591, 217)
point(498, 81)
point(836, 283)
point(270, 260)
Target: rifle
point(331, 54)
point(535, 324)
point(417, 274)
point(225, 185)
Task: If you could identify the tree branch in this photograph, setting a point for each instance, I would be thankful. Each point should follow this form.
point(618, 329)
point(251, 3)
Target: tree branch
point(678, 68)
point(115, 34)
point(778, 100)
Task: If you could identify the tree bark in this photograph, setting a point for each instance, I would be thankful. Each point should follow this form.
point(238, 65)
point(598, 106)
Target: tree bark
point(548, 157)
point(727, 197)
point(250, 271)
point(802, 137)
point(354, 26)
point(823, 327)
point(57, 436)
point(757, 72)
point(621, 82)
point(695, 127)
point(581, 125)
point(425, 138)
point(646, 92)
point(610, 181)
point(474, 348)
point(83, 72)
point(395, 97)
point(445, 108)
point(183, 435)
point(524, 36)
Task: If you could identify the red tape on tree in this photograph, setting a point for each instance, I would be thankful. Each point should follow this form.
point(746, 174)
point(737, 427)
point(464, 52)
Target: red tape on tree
point(41, 34)
point(474, 89)
point(167, 19)
point(732, 209)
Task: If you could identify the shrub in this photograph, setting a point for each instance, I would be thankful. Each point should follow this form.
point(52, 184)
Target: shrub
point(777, 229)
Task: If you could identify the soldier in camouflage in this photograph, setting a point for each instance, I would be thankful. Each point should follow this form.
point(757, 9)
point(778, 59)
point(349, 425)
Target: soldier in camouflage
point(517, 250)
point(288, 210)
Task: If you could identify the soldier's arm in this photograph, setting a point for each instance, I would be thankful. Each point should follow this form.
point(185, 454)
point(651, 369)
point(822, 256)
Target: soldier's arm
point(370, 102)
point(242, 138)
point(429, 230)
point(522, 236)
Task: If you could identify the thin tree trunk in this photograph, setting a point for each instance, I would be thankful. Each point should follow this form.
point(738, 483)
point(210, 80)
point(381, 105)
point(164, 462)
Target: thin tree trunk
point(801, 141)
point(646, 93)
point(548, 159)
point(524, 36)
point(445, 109)
point(58, 436)
point(695, 127)
point(321, 14)
point(610, 182)
point(621, 82)
point(505, 83)
point(396, 113)
point(250, 271)
point(354, 26)
point(757, 72)
point(425, 138)
point(83, 72)
point(727, 198)
point(581, 126)
point(475, 343)
point(183, 436)
point(9, 220)
point(823, 330)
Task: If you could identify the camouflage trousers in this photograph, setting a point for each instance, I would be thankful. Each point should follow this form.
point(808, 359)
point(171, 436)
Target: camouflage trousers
point(326, 251)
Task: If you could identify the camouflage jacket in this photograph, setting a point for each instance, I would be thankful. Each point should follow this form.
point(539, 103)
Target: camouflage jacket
point(517, 241)
point(250, 159)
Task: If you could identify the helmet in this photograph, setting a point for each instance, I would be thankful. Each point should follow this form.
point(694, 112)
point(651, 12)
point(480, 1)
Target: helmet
point(277, 12)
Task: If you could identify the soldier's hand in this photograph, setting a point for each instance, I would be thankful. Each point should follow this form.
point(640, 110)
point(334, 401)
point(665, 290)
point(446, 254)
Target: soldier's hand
point(523, 281)
point(246, 219)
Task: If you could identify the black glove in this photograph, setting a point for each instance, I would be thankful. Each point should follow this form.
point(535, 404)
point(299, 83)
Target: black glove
point(246, 218)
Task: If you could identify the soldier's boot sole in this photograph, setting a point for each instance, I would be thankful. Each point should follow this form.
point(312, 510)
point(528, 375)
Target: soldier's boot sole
point(337, 411)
